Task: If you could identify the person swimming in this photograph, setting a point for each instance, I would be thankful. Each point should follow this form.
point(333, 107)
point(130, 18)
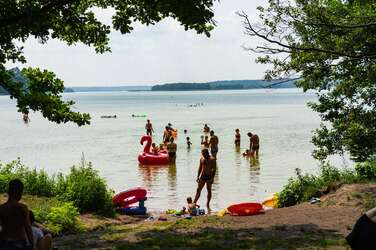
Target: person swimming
point(237, 138)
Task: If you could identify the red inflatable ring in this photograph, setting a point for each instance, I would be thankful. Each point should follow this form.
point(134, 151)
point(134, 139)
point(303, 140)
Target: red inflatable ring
point(245, 209)
point(129, 197)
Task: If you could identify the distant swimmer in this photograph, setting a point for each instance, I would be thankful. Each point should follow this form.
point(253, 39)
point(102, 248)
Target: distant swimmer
point(149, 128)
point(185, 131)
point(108, 116)
point(189, 143)
point(213, 144)
point(237, 138)
point(171, 149)
point(205, 175)
point(206, 128)
point(254, 144)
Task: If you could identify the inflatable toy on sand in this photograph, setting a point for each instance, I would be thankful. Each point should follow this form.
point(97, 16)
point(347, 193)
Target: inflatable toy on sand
point(125, 199)
point(271, 202)
point(148, 158)
point(245, 209)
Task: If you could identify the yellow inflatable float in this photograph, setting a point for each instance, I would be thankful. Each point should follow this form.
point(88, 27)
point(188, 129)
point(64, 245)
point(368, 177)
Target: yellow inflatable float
point(272, 201)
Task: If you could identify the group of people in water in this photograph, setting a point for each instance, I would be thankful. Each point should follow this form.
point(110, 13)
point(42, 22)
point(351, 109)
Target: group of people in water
point(209, 150)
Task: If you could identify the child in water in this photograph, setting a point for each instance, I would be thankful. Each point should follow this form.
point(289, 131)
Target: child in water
point(154, 148)
point(189, 143)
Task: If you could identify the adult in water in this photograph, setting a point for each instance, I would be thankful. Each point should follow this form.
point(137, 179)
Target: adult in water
point(15, 222)
point(149, 128)
point(171, 149)
point(206, 128)
point(254, 144)
point(25, 118)
point(237, 138)
point(205, 175)
point(167, 134)
point(213, 143)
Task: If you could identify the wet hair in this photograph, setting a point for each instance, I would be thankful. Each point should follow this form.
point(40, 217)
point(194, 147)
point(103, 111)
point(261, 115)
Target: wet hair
point(148, 120)
point(188, 138)
point(189, 199)
point(205, 153)
point(249, 134)
point(206, 125)
point(185, 131)
point(15, 188)
point(237, 130)
point(167, 128)
point(212, 132)
point(153, 144)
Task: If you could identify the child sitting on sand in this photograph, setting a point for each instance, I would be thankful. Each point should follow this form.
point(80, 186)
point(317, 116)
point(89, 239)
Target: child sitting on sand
point(154, 148)
point(189, 143)
point(192, 207)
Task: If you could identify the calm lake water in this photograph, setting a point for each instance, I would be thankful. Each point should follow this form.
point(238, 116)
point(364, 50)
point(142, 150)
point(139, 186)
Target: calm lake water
point(280, 118)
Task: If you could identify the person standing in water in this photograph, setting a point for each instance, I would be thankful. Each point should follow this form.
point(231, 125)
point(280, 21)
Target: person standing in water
point(237, 138)
point(149, 128)
point(171, 149)
point(206, 128)
point(25, 118)
point(254, 144)
point(166, 135)
point(213, 143)
point(205, 175)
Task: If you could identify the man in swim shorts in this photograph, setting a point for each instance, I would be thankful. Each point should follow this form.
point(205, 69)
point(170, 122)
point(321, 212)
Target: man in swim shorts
point(149, 128)
point(15, 222)
point(167, 135)
point(171, 149)
point(205, 175)
point(254, 144)
point(213, 143)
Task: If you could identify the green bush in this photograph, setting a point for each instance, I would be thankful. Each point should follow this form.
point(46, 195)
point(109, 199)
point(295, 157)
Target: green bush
point(87, 190)
point(304, 187)
point(82, 186)
point(60, 217)
point(35, 182)
point(367, 170)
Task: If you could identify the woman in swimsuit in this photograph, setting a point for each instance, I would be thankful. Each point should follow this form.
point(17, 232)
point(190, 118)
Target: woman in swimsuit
point(171, 149)
point(237, 138)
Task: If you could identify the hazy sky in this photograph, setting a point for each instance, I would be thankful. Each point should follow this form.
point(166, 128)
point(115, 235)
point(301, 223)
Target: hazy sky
point(157, 54)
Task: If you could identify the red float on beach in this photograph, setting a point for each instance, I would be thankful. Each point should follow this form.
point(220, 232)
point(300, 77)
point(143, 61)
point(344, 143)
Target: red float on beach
point(148, 158)
point(129, 197)
point(245, 209)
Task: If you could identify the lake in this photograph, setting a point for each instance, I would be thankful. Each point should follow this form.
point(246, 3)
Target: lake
point(280, 117)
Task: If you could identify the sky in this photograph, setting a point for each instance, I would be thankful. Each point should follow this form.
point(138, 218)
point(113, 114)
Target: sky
point(162, 53)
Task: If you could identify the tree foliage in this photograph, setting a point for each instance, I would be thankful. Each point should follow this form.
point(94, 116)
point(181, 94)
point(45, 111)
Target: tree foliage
point(74, 21)
point(331, 44)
